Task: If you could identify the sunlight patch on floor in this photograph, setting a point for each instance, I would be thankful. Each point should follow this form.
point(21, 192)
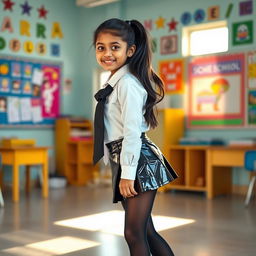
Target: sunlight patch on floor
point(55, 246)
point(113, 222)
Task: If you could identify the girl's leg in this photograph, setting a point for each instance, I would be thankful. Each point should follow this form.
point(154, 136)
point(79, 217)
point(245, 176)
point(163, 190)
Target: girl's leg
point(158, 246)
point(137, 213)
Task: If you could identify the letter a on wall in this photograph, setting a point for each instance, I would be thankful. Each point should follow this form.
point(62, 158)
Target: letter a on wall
point(56, 30)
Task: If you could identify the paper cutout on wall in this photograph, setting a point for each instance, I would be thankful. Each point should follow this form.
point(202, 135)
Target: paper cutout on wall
point(24, 28)
point(172, 74)
point(185, 18)
point(148, 24)
point(3, 104)
point(67, 86)
point(14, 45)
point(36, 110)
point(160, 22)
point(213, 12)
point(245, 8)
point(56, 30)
point(25, 109)
point(214, 84)
point(252, 107)
point(169, 44)
point(7, 25)
point(229, 10)
point(4, 68)
point(37, 77)
point(42, 12)
point(8, 4)
point(13, 106)
point(26, 8)
point(154, 45)
point(172, 24)
point(4, 85)
point(40, 30)
point(55, 50)
point(242, 32)
point(199, 15)
point(2, 43)
point(28, 47)
point(41, 48)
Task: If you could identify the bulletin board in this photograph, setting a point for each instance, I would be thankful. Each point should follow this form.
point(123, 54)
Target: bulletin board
point(216, 91)
point(29, 92)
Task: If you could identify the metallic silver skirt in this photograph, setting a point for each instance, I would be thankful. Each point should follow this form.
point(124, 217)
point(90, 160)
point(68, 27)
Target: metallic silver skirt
point(153, 169)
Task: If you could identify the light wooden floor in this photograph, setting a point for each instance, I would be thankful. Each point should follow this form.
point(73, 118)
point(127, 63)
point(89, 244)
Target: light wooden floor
point(221, 227)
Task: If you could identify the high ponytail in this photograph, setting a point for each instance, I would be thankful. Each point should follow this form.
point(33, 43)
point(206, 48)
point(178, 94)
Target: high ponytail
point(134, 33)
point(141, 67)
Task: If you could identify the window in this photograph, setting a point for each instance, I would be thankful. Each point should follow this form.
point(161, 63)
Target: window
point(205, 39)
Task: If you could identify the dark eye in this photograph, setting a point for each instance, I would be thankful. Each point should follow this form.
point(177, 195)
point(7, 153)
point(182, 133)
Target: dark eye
point(115, 47)
point(100, 48)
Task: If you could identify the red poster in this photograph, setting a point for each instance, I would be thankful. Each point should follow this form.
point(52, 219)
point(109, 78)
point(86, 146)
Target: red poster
point(171, 72)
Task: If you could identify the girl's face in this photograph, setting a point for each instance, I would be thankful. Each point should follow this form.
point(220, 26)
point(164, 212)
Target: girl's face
point(112, 52)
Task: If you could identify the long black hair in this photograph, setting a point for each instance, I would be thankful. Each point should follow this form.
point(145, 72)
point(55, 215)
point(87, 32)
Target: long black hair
point(140, 64)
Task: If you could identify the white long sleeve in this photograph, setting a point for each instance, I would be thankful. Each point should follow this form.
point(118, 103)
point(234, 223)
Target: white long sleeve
point(124, 118)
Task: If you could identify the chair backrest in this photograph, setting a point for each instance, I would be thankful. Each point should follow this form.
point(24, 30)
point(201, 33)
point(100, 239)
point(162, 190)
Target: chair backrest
point(250, 161)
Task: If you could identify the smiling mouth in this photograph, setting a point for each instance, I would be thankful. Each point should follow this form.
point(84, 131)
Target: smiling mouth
point(108, 62)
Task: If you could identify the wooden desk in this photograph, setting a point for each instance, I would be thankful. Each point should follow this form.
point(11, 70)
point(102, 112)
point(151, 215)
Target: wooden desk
point(212, 164)
point(27, 156)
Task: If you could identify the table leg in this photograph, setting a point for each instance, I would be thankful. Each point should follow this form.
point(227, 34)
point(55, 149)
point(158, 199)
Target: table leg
point(15, 183)
point(45, 177)
point(28, 183)
point(209, 175)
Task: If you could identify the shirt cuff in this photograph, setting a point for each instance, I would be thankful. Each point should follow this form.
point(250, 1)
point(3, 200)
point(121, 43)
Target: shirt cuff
point(128, 172)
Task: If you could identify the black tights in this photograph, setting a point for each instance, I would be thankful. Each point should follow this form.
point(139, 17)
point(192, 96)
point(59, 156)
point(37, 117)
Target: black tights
point(139, 232)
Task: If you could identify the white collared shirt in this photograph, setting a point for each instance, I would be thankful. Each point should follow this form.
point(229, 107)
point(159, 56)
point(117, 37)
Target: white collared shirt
point(124, 118)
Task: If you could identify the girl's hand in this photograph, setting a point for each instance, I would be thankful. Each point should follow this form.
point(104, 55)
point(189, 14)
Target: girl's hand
point(127, 188)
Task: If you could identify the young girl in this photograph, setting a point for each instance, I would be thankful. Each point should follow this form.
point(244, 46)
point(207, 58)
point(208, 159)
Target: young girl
point(125, 111)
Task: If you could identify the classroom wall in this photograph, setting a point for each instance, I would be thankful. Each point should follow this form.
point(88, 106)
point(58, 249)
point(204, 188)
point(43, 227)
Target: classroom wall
point(152, 9)
point(77, 53)
point(66, 14)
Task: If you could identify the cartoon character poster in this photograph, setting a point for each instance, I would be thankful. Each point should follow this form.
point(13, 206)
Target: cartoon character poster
point(50, 91)
point(216, 91)
point(242, 33)
point(172, 74)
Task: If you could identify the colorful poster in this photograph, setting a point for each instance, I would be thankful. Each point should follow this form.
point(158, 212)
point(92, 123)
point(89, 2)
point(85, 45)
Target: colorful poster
point(251, 61)
point(216, 91)
point(172, 74)
point(246, 8)
point(50, 91)
point(252, 107)
point(242, 33)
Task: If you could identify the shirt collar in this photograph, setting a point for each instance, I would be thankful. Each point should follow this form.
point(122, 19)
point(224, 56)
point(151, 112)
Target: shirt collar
point(118, 75)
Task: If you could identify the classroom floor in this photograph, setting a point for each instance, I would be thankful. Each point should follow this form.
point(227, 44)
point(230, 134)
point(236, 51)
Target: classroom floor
point(83, 221)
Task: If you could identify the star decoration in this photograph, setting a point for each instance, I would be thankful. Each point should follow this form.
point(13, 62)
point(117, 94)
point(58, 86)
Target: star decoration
point(26, 8)
point(42, 12)
point(8, 4)
point(160, 22)
point(172, 25)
